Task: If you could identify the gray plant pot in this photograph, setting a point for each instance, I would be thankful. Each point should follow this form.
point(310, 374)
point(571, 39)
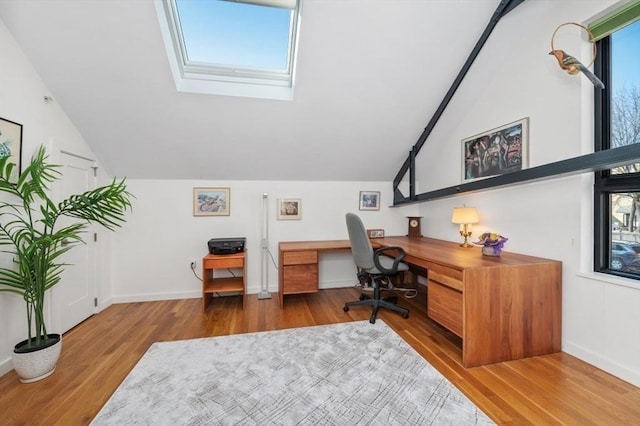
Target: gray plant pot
point(36, 364)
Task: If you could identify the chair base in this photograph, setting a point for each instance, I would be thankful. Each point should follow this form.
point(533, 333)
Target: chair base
point(377, 303)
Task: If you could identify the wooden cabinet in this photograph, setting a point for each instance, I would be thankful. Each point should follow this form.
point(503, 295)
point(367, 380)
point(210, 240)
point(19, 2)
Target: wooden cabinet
point(219, 285)
point(300, 271)
point(298, 265)
point(504, 308)
point(445, 306)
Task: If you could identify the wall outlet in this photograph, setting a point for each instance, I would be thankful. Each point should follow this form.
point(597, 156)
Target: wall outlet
point(193, 264)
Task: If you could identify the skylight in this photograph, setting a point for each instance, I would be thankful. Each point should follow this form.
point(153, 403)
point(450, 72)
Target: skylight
point(231, 47)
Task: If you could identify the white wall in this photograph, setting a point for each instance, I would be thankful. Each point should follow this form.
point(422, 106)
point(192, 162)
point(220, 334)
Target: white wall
point(514, 77)
point(153, 251)
point(21, 100)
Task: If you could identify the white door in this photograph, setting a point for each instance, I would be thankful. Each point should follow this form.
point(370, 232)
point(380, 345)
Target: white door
point(73, 297)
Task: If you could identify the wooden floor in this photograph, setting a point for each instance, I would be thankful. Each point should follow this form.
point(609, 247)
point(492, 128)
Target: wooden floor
point(100, 352)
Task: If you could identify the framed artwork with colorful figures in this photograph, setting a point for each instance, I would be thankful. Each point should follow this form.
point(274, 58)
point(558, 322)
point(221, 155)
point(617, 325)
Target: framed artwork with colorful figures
point(497, 151)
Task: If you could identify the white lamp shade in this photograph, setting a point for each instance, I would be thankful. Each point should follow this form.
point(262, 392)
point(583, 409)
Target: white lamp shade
point(465, 215)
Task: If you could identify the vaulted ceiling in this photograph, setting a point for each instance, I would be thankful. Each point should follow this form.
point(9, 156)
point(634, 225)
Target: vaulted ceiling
point(370, 74)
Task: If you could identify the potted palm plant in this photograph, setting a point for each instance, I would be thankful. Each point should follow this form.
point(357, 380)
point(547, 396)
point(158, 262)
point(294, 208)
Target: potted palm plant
point(35, 240)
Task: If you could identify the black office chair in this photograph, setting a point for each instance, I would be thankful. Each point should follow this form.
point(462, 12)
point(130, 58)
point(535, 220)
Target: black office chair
point(374, 267)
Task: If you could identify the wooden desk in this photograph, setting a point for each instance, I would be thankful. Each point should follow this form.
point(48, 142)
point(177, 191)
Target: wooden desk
point(212, 285)
point(298, 269)
point(504, 308)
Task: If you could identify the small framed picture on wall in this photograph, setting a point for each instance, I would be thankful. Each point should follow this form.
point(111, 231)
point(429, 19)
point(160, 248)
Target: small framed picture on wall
point(289, 209)
point(211, 201)
point(369, 200)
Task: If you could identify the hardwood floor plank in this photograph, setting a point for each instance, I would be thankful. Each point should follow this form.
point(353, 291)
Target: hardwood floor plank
point(99, 353)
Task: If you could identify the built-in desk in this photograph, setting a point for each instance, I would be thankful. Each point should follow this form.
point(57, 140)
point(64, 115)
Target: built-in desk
point(505, 307)
point(298, 270)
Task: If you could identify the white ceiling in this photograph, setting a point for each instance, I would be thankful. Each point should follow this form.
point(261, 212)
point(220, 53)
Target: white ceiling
point(370, 74)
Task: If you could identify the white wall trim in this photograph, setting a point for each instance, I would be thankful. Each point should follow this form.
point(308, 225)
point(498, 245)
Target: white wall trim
point(611, 279)
point(338, 284)
point(6, 365)
point(153, 297)
point(604, 363)
point(104, 304)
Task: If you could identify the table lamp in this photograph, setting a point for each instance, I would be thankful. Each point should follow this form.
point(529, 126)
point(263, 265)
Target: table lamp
point(465, 216)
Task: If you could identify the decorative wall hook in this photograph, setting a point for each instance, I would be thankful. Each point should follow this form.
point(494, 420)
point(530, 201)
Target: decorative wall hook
point(571, 64)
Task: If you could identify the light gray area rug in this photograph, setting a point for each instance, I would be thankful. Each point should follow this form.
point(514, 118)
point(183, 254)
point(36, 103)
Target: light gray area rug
point(342, 374)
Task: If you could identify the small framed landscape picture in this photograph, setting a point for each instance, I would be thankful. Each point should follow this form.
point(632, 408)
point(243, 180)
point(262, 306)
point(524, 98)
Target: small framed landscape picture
point(11, 145)
point(289, 209)
point(211, 201)
point(369, 200)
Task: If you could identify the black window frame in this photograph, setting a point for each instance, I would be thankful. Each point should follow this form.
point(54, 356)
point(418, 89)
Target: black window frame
point(606, 183)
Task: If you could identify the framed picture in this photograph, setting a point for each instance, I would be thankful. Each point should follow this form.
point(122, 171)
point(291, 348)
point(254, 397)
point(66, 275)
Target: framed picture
point(211, 201)
point(11, 145)
point(369, 200)
point(375, 233)
point(289, 209)
point(497, 151)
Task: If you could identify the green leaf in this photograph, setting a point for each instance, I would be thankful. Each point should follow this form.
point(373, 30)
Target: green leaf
point(29, 230)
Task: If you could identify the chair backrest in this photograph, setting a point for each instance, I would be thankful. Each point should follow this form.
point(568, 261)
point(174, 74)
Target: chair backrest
point(360, 245)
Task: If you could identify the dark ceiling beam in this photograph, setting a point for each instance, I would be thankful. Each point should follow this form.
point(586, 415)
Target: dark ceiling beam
point(503, 8)
point(600, 160)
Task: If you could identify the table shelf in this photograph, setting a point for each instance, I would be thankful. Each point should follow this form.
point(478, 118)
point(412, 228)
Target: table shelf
point(224, 285)
point(212, 285)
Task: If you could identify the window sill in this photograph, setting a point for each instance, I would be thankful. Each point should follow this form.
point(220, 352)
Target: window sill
point(611, 279)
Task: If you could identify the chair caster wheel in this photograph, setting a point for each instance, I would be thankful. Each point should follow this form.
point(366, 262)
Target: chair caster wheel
point(372, 320)
point(345, 308)
point(405, 316)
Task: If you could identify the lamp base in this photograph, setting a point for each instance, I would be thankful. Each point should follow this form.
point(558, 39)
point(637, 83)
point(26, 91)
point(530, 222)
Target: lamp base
point(466, 234)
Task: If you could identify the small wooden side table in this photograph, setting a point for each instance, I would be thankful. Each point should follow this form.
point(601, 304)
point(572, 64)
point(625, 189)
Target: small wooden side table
point(211, 284)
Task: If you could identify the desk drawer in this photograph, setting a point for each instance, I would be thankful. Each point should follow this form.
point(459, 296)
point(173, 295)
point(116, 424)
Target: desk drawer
point(444, 306)
point(221, 262)
point(300, 257)
point(449, 278)
point(300, 279)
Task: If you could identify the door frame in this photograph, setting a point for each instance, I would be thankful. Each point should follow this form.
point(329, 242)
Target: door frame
point(55, 311)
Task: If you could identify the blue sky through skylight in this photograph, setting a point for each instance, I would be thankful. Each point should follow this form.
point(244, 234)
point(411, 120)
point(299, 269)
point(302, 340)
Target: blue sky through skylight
point(235, 34)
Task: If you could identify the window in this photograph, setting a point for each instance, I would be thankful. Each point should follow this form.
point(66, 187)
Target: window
point(234, 47)
point(617, 190)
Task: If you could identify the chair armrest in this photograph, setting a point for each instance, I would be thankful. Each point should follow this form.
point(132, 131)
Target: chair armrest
point(396, 260)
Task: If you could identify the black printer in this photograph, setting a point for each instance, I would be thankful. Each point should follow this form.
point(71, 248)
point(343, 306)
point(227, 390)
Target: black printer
point(226, 245)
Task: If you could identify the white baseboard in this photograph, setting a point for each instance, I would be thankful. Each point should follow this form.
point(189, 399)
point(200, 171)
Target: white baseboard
point(337, 284)
point(153, 297)
point(623, 372)
point(104, 304)
point(6, 365)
